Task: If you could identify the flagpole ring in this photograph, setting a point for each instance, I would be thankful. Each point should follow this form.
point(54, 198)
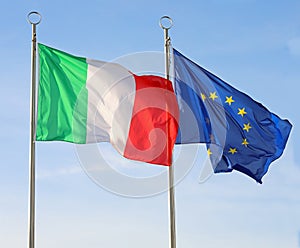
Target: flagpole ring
point(34, 17)
point(166, 22)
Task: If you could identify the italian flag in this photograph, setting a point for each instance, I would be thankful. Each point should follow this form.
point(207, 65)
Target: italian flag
point(83, 101)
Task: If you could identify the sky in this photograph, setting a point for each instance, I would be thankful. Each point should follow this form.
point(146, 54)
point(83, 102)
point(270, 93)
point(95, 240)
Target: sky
point(253, 45)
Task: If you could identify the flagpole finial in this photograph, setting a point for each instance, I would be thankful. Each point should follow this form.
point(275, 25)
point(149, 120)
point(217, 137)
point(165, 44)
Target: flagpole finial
point(34, 17)
point(166, 22)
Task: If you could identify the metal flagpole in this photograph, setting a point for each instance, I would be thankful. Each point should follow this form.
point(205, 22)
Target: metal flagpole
point(31, 210)
point(167, 41)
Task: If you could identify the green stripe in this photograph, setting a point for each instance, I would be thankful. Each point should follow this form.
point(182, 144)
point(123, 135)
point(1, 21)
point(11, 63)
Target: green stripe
point(62, 96)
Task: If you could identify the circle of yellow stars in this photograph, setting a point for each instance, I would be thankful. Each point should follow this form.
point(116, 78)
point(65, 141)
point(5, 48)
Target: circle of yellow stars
point(241, 111)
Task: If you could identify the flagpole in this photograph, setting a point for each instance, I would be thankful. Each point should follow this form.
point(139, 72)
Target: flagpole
point(31, 208)
point(167, 41)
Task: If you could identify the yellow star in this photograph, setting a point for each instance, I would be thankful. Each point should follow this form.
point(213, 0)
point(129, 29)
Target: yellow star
point(229, 100)
point(245, 142)
point(203, 97)
point(232, 150)
point(242, 112)
point(247, 127)
point(209, 152)
point(213, 95)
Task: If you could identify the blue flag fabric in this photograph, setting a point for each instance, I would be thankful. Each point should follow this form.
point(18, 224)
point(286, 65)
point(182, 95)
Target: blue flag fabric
point(240, 133)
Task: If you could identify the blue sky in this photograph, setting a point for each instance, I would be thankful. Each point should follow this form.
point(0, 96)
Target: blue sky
point(253, 45)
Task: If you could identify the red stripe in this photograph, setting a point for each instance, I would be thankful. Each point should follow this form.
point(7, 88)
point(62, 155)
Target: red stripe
point(154, 122)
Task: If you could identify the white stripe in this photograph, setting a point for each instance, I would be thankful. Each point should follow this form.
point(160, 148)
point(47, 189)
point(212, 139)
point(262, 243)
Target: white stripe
point(111, 92)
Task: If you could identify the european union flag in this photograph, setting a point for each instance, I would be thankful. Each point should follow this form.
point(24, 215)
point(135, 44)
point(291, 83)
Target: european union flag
point(240, 133)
